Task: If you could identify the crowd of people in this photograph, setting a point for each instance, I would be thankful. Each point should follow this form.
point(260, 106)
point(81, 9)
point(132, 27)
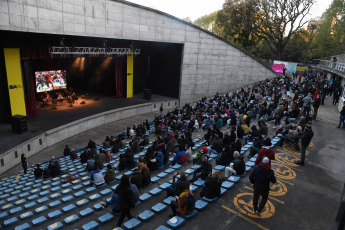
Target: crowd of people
point(229, 121)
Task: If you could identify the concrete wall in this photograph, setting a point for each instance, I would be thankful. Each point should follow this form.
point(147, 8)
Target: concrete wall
point(51, 137)
point(209, 65)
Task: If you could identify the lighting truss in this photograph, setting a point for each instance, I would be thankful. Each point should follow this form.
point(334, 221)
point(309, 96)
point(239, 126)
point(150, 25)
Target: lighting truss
point(92, 51)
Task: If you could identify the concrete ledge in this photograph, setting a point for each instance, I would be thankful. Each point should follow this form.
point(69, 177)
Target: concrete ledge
point(61, 133)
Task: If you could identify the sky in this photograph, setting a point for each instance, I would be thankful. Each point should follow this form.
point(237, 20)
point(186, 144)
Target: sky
point(197, 8)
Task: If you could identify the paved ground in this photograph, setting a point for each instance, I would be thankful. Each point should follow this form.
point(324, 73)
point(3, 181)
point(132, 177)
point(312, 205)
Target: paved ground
point(305, 197)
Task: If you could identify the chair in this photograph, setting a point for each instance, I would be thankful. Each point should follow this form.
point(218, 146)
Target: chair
point(55, 214)
point(91, 225)
point(176, 222)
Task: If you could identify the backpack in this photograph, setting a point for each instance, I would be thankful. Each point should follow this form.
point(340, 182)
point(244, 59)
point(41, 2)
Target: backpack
point(190, 202)
point(184, 158)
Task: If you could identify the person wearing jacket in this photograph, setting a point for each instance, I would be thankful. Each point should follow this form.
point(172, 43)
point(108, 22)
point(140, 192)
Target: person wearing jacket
point(203, 171)
point(342, 117)
point(125, 199)
point(159, 159)
point(97, 178)
point(236, 167)
point(265, 151)
point(114, 202)
point(109, 174)
point(260, 177)
point(179, 186)
point(180, 207)
point(217, 145)
point(180, 157)
point(225, 157)
point(212, 186)
point(305, 141)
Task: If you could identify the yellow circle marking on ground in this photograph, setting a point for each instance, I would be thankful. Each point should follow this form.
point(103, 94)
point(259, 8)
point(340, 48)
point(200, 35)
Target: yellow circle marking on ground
point(278, 189)
point(286, 159)
point(244, 203)
point(284, 172)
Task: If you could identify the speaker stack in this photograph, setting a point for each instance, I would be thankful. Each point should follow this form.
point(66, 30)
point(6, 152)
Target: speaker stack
point(19, 123)
point(147, 94)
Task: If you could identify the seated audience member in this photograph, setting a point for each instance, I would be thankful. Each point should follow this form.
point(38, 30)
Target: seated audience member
point(178, 186)
point(114, 202)
point(212, 186)
point(263, 130)
point(99, 161)
point(237, 166)
point(66, 151)
point(47, 173)
point(238, 144)
point(38, 172)
point(180, 206)
point(73, 155)
point(97, 178)
point(217, 145)
point(90, 164)
point(84, 156)
point(159, 159)
point(109, 174)
point(203, 171)
point(137, 179)
point(109, 157)
point(265, 151)
point(257, 144)
point(135, 191)
point(197, 157)
point(225, 157)
point(180, 157)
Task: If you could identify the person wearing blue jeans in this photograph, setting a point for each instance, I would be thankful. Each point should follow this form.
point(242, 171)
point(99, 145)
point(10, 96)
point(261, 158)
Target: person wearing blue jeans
point(342, 117)
point(305, 141)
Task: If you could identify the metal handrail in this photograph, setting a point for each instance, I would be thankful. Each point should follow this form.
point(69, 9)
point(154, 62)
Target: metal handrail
point(334, 65)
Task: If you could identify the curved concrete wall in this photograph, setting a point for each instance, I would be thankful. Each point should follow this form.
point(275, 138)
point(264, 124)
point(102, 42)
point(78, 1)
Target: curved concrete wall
point(51, 137)
point(209, 65)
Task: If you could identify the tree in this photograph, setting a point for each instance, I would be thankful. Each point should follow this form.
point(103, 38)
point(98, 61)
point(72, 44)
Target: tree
point(280, 20)
point(331, 36)
point(238, 22)
point(187, 19)
point(208, 22)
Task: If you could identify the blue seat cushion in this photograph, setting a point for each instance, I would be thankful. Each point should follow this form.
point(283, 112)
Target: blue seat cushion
point(234, 179)
point(43, 200)
point(200, 205)
point(168, 200)
point(105, 218)
point(159, 207)
point(41, 209)
point(67, 199)
point(132, 224)
point(155, 191)
point(169, 170)
point(15, 210)
point(199, 182)
point(155, 179)
point(91, 225)
point(219, 167)
point(90, 189)
point(105, 192)
point(227, 184)
point(10, 222)
point(55, 226)
point(175, 222)
point(24, 226)
point(71, 219)
point(210, 200)
point(86, 212)
point(144, 197)
point(69, 208)
point(165, 186)
point(146, 215)
point(94, 197)
point(55, 214)
point(162, 227)
point(162, 175)
point(54, 204)
point(38, 221)
point(82, 202)
point(26, 215)
point(190, 215)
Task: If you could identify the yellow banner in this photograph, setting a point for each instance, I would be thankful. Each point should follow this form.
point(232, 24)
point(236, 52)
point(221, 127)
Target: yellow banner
point(301, 68)
point(14, 81)
point(129, 76)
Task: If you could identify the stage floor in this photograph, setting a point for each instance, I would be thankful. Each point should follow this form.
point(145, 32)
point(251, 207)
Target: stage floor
point(48, 119)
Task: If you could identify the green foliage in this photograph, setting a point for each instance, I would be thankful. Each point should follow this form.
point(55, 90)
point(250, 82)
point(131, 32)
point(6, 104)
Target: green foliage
point(208, 22)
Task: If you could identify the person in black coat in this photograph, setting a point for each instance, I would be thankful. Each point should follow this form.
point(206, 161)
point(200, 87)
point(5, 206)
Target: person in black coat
point(179, 186)
point(125, 199)
point(203, 171)
point(260, 177)
point(305, 141)
point(225, 157)
point(212, 186)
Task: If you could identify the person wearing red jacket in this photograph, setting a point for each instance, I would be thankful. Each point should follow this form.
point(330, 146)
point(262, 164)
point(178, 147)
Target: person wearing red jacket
point(265, 151)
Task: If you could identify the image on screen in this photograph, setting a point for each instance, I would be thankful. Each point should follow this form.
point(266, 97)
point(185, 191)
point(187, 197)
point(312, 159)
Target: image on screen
point(50, 80)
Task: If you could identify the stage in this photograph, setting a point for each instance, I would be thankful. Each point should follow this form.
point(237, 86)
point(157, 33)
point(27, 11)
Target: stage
point(49, 118)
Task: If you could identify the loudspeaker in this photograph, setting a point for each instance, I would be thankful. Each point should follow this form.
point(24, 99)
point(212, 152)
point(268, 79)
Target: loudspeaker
point(27, 76)
point(147, 94)
point(19, 123)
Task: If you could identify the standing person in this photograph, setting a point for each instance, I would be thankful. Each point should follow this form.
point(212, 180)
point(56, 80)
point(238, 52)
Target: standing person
point(161, 110)
point(265, 151)
point(125, 199)
point(66, 151)
point(260, 177)
point(24, 163)
point(342, 116)
point(316, 105)
point(306, 105)
point(305, 141)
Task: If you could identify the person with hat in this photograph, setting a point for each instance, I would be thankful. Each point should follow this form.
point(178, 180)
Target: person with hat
point(198, 156)
point(260, 177)
point(265, 151)
point(305, 141)
point(203, 171)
